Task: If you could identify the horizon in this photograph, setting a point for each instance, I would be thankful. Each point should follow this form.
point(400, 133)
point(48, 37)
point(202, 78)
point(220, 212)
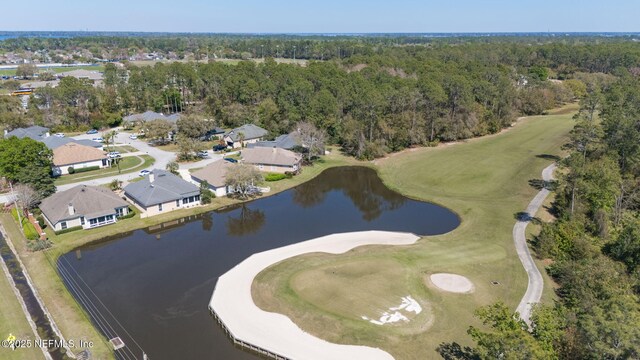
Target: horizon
point(331, 16)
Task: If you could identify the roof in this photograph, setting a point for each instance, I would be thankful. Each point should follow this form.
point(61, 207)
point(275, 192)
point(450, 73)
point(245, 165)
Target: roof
point(150, 116)
point(165, 187)
point(213, 173)
point(54, 142)
point(87, 201)
point(270, 156)
point(34, 132)
point(39, 84)
point(73, 153)
point(250, 131)
point(287, 141)
point(82, 74)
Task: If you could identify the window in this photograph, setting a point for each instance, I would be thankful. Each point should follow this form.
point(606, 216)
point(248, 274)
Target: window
point(184, 201)
point(63, 225)
point(159, 207)
point(197, 198)
point(178, 203)
point(82, 220)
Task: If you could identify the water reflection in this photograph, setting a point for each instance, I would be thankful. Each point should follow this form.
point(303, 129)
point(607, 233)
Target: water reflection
point(158, 281)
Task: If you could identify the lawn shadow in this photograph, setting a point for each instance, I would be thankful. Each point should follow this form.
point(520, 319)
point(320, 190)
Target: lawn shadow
point(454, 351)
point(540, 184)
point(548, 157)
point(525, 216)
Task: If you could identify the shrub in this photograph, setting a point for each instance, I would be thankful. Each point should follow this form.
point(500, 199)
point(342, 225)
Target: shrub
point(60, 232)
point(275, 177)
point(71, 170)
point(88, 168)
point(27, 228)
point(36, 245)
point(41, 221)
point(129, 215)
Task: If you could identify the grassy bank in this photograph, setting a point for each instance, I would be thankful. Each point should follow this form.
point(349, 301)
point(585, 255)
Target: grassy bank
point(13, 321)
point(485, 181)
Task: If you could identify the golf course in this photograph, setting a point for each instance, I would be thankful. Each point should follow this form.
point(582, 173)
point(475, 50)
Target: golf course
point(343, 298)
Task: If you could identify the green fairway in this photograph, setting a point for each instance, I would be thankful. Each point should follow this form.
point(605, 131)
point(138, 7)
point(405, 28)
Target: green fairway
point(485, 181)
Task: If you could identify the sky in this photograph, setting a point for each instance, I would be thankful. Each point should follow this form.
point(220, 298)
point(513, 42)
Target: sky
point(322, 16)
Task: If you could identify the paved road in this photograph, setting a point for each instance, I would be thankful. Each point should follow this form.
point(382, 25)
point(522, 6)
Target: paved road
point(536, 283)
point(162, 159)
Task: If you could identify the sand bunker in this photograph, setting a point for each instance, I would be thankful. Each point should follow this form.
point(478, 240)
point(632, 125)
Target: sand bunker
point(408, 304)
point(452, 283)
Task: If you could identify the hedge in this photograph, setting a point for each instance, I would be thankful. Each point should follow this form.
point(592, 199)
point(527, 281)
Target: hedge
point(88, 168)
point(60, 232)
point(28, 229)
point(274, 177)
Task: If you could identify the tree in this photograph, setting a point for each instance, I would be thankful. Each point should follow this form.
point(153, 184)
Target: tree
point(26, 70)
point(508, 338)
point(311, 138)
point(173, 167)
point(157, 129)
point(115, 184)
point(242, 179)
point(25, 196)
point(187, 147)
point(205, 193)
point(192, 126)
point(27, 161)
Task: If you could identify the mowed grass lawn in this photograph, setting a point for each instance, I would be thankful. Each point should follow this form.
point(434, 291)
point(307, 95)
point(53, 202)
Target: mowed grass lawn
point(485, 181)
point(128, 164)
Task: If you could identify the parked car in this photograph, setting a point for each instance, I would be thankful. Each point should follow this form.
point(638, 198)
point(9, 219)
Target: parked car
point(114, 154)
point(60, 135)
point(98, 139)
point(231, 160)
point(203, 153)
point(133, 137)
point(219, 147)
point(92, 131)
point(144, 173)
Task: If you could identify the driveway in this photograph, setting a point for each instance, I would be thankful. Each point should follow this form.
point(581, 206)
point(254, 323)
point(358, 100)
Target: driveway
point(534, 288)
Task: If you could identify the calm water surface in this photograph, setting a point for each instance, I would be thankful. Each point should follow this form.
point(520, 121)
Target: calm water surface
point(157, 282)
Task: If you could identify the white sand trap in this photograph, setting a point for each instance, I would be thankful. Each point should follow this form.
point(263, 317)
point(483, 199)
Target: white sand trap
point(452, 283)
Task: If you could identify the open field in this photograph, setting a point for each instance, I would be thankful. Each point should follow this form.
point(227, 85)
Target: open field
point(12, 72)
point(485, 181)
point(128, 164)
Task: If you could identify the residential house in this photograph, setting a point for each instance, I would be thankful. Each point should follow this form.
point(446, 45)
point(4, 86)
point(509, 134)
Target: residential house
point(34, 132)
point(161, 191)
point(54, 142)
point(86, 206)
point(94, 76)
point(77, 156)
point(214, 174)
point(287, 141)
point(272, 159)
point(245, 134)
point(139, 119)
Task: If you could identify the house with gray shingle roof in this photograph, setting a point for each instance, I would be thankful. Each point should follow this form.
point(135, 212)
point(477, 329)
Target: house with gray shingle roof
point(272, 159)
point(243, 135)
point(286, 141)
point(34, 132)
point(215, 175)
point(161, 191)
point(137, 119)
point(54, 142)
point(86, 206)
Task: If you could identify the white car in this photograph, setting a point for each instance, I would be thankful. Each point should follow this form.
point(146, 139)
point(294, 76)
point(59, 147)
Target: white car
point(133, 137)
point(98, 139)
point(144, 173)
point(60, 135)
point(114, 154)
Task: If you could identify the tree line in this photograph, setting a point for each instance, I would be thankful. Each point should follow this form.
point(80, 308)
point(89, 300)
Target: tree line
point(593, 246)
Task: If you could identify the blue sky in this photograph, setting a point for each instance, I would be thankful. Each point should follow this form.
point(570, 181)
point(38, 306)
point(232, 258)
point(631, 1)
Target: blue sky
point(277, 16)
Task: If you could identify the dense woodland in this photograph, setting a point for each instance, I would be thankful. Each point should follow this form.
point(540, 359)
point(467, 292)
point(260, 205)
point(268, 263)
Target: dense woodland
point(593, 246)
point(381, 99)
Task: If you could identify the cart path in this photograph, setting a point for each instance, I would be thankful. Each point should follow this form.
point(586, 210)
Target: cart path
point(536, 283)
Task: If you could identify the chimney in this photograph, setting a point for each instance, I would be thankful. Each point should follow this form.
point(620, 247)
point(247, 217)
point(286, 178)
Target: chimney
point(152, 177)
point(71, 209)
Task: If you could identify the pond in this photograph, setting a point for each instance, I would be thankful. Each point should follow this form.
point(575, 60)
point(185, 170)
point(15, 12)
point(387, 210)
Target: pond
point(156, 283)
